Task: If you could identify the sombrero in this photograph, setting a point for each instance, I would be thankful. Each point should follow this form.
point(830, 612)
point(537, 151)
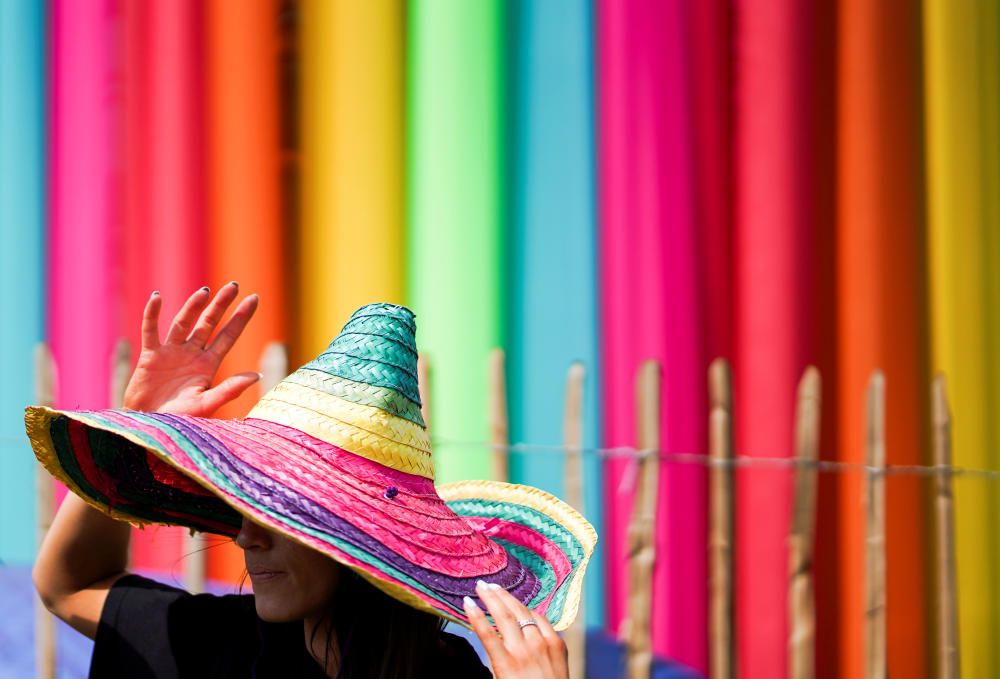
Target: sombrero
point(336, 456)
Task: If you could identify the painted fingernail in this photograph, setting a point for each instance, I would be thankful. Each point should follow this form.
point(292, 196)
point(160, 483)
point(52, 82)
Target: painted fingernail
point(156, 292)
point(260, 376)
point(494, 585)
point(204, 287)
point(469, 603)
point(482, 584)
point(234, 283)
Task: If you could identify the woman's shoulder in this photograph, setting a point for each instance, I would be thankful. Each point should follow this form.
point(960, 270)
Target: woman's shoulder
point(151, 628)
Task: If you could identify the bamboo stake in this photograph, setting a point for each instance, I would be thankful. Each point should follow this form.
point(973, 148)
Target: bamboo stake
point(45, 629)
point(642, 552)
point(121, 371)
point(944, 519)
point(499, 430)
point(801, 597)
point(720, 540)
point(424, 386)
point(875, 634)
point(575, 636)
point(273, 366)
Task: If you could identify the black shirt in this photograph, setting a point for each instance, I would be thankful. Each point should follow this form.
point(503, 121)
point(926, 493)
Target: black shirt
point(149, 629)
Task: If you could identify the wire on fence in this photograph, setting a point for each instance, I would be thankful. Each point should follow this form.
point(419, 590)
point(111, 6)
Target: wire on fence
point(741, 461)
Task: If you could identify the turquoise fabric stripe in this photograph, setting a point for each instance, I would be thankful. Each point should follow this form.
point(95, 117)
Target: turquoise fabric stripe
point(553, 302)
point(22, 232)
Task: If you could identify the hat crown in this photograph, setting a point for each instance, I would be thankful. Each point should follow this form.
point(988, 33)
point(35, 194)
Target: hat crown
point(377, 347)
point(361, 393)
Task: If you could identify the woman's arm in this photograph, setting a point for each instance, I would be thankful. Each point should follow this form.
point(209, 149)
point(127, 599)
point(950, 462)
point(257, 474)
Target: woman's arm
point(85, 551)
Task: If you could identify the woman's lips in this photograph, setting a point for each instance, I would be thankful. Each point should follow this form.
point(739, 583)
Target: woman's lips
point(264, 576)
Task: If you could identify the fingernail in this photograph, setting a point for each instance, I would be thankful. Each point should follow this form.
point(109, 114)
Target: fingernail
point(260, 376)
point(469, 603)
point(156, 292)
point(234, 283)
point(482, 584)
point(204, 287)
point(494, 585)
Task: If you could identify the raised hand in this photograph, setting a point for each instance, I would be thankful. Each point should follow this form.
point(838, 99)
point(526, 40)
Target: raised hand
point(176, 375)
point(523, 645)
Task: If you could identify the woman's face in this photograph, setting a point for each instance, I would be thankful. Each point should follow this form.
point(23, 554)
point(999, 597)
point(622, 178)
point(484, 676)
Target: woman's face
point(290, 581)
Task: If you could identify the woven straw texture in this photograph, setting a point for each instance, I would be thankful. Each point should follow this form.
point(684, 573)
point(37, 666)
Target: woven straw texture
point(337, 457)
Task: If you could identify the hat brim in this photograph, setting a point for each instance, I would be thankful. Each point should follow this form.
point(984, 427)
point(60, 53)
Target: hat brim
point(423, 545)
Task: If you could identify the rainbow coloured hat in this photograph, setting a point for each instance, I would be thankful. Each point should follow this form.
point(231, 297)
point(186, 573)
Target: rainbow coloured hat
point(338, 457)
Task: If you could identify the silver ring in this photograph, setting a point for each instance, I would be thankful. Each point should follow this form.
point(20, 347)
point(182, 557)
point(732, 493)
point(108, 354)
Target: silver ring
point(526, 623)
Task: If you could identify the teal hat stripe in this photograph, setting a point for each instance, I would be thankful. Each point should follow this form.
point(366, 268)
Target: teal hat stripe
point(389, 400)
point(385, 310)
point(222, 482)
point(105, 451)
point(369, 372)
point(388, 328)
point(536, 564)
point(374, 348)
point(558, 534)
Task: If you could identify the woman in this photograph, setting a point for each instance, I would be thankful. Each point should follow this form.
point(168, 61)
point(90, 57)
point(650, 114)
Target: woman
point(336, 605)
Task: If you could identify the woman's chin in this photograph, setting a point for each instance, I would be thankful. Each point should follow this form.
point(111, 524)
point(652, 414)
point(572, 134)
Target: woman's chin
point(273, 609)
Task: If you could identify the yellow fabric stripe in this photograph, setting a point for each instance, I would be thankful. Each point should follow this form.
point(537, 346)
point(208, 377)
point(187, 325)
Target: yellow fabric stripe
point(351, 113)
point(962, 62)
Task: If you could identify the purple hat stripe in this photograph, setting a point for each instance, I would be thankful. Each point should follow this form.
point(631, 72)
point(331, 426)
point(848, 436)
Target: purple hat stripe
point(264, 492)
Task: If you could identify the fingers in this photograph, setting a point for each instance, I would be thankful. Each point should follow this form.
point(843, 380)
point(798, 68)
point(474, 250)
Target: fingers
point(210, 318)
point(521, 612)
point(499, 657)
point(231, 331)
point(151, 321)
point(227, 390)
point(185, 318)
point(503, 616)
point(540, 640)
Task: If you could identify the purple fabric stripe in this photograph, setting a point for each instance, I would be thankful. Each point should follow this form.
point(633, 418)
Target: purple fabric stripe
point(514, 577)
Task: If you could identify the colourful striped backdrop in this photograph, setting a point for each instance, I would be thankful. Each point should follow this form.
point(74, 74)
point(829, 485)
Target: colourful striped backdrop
point(778, 182)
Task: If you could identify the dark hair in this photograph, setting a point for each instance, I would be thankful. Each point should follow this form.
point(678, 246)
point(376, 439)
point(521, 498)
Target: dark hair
point(375, 636)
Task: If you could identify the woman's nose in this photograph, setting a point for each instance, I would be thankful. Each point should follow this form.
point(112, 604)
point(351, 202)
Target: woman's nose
point(252, 535)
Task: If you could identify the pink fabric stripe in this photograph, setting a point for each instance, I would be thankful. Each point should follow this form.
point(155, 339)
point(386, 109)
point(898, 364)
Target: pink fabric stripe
point(650, 305)
point(165, 161)
point(84, 198)
point(782, 216)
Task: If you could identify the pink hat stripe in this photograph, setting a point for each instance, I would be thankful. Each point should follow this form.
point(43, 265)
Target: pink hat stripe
point(529, 538)
point(477, 552)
